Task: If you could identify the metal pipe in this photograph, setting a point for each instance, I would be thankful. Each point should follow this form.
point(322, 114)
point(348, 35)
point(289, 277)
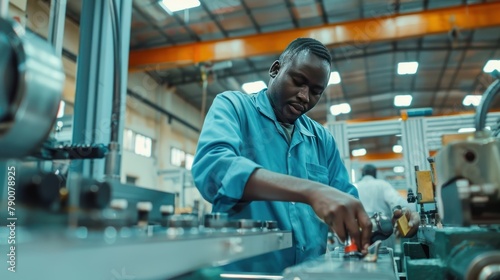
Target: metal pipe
point(4, 8)
point(171, 117)
point(482, 109)
point(113, 159)
point(56, 25)
point(55, 38)
point(204, 93)
point(115, 115)
point(145, 101)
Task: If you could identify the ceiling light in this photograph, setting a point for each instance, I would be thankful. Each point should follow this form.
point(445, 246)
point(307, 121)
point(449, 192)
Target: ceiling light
point(407, 68)
point(397, 149)
point(253, 87)
point(338, 109)
point(472, 100)
point(398, 169)
point(491, 65)
point(358, 152)
point(334, 78)
point(471, 129)
point(466, 129)
point(178, 5)
point(402, 100)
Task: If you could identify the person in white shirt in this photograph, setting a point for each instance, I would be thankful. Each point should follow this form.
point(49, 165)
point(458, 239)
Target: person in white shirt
point(378, 195)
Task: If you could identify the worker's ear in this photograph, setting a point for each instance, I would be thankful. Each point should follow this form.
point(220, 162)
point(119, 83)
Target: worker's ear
point(274, 69)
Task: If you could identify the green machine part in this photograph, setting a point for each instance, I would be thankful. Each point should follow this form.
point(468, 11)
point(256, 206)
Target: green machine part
point(455, 253)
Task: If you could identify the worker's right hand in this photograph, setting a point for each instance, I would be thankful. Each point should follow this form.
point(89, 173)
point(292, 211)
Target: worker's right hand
point(343, 213)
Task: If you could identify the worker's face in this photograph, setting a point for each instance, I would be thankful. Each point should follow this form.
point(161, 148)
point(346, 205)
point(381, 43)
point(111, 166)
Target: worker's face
point(296, 85)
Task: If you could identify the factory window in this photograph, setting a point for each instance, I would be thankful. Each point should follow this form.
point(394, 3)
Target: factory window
point(189, 161)
point(128, 140)
point(180, 158)
point(177, 157)
point(143, 145)
point(130, 179)
point(137, 143)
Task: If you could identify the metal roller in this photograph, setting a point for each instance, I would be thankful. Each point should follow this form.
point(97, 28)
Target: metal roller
point(31, 85)
point(470, 260)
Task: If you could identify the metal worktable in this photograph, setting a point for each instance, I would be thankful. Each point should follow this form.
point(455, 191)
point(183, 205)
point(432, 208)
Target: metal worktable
point(149, 254)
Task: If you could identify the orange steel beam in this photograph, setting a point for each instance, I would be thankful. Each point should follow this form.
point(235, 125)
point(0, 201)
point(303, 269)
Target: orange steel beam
point(354, 33)
point(378, 156)
point(430, 116)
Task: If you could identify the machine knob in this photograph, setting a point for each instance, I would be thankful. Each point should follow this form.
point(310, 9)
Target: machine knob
point(41, 189)
point(216, 220)
point(271, 225)
point(182, 221)
point(166, 210)
point(119, 204)
point(143, 209)
point(247, 224)
point(94, 194)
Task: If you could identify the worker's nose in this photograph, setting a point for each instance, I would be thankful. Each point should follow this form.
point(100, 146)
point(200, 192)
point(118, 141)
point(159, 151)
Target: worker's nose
point(304, 94)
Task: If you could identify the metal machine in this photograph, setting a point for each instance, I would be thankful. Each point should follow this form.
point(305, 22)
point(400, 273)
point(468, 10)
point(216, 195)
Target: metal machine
point(459, 234)
point(66, 225)
point(346, 262)
point(467, 246)
point(62, 225)
point(334, 265)
point(30, 90)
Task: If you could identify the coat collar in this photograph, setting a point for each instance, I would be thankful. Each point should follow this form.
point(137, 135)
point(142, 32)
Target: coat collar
point(264, 107)
point(367, 178)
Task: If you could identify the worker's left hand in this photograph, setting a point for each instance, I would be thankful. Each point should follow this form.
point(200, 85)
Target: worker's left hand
point(412, 217)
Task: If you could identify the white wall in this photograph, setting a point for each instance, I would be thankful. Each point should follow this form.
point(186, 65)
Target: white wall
point(145, 120)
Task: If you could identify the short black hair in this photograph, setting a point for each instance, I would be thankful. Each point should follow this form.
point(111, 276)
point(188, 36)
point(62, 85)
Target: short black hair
point(310, 44)
point(369, 169)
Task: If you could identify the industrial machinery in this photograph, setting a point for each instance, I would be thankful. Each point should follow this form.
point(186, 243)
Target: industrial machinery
point(346, 262)
point(334, 265)
point(468, 198)
point(64, 225)
point(30, 91)
point(459, 234)
point(60, 224)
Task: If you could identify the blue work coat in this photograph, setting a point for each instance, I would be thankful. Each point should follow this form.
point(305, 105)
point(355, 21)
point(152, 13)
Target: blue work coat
point(241, 134)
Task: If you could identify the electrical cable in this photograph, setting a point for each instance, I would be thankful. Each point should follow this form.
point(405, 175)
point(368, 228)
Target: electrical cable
point(117, 77)
point(112, 167)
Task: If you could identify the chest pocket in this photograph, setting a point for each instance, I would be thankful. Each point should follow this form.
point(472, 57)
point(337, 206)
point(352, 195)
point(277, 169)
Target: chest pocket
point(317, 173)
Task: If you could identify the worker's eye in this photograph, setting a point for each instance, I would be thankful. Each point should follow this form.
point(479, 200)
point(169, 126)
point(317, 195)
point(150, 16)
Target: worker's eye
point(317, 92)
point(298, 82)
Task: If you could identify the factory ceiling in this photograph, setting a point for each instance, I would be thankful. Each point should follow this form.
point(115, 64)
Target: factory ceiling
point(237, 40)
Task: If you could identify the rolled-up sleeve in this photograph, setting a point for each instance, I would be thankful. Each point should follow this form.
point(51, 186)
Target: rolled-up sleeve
point(220, 172)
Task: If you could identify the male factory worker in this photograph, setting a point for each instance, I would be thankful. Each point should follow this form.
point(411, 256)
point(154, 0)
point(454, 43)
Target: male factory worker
point(259, 157)
point(378, 195)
